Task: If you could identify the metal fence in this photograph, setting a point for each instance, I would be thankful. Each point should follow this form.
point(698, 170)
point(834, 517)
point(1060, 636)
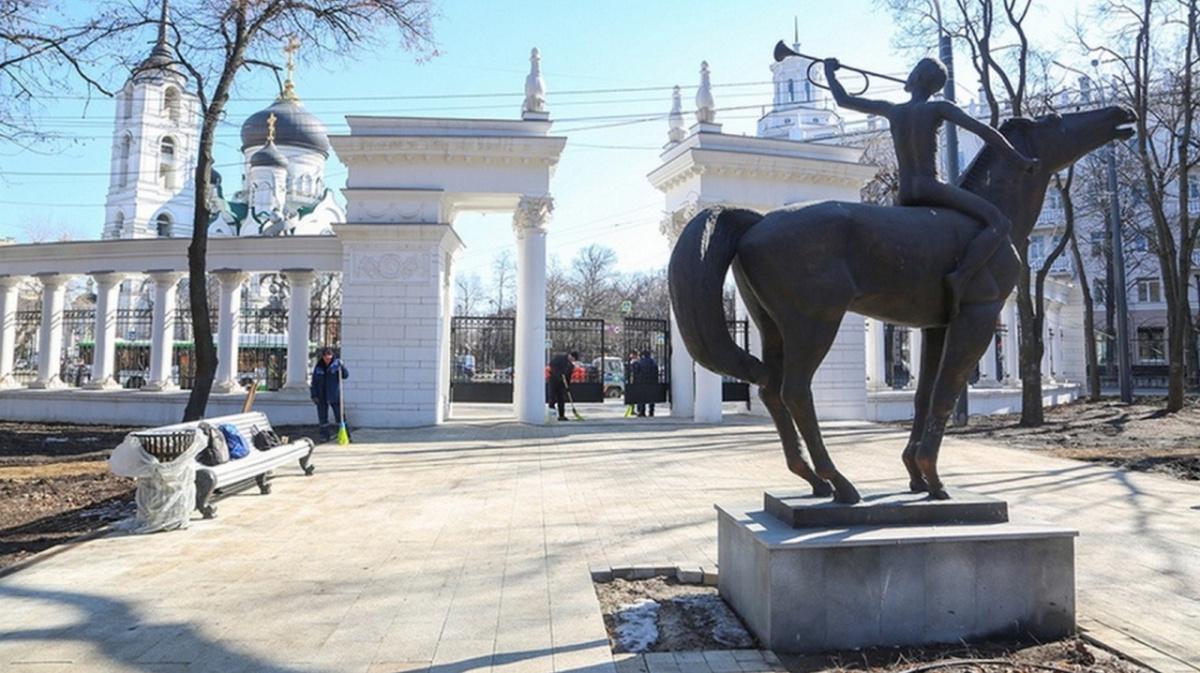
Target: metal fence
point(262, 347)
point(897, 356)
point(482, 352)
point(734, 389)
point(585, 336)
point(78, 339)
point(26, 347)
point(653, 335)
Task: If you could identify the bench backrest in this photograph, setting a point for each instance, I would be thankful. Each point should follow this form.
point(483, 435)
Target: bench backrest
point(243, 423)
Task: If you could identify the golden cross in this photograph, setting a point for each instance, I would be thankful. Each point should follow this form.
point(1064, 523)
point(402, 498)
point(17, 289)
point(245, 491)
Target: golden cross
point(293, 46)
point(271, 128)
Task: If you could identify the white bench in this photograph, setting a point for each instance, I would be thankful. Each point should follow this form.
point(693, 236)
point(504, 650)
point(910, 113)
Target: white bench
point(257, 465)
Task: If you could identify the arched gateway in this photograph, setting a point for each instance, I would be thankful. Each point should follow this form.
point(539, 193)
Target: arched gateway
point(409, 178)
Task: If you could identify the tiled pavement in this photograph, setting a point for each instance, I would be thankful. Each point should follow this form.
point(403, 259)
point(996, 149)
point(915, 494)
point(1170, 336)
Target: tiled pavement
point(467, 547)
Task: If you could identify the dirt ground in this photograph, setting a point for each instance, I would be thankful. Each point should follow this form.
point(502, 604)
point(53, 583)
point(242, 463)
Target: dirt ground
point(1136, 436)
point(1068, 656)
point(690, 617)
point(55, 485)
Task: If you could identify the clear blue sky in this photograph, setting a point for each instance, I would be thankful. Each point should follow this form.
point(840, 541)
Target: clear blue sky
point(600, 186)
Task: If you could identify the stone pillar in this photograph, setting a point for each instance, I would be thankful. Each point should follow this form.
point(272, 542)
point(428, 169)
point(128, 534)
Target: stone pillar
point(529, 378)
point(876, 355)
point(1056, 346)
point(50, 338)
point(8, 329)
point(229, 316)
point(708, 397)
point(162, 335)
point(1012, 354)
point(301, 284)
point(987, 367)
point(916, 343)
point(104, 351)
point(683, 396)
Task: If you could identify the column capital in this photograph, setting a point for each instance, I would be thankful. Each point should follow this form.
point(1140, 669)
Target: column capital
point(300, 276)
point(108, 279)
point(230, 277)
point(166, 276)
point(8, 282)
point(532, 214)
point(672, 223)
point(53, 281)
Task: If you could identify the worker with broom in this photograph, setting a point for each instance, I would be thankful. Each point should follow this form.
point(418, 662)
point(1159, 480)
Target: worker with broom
point(326, 392)
point(561, 368)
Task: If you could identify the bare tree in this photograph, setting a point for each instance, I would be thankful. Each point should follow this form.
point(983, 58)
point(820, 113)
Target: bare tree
point(212, 42)
point(593, 271)
point(558, 290)
point(468, 293)
point(1089, 311)
point(504, 283)
point(1154, 46)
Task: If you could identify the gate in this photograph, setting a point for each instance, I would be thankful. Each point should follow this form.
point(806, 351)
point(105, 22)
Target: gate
point(585, 335)
point(481, 358)
point(654, 335)
point(733, 389)
point(132, 349)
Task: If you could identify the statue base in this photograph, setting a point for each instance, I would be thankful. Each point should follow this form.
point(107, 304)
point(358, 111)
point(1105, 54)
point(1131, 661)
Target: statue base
point(894, 570)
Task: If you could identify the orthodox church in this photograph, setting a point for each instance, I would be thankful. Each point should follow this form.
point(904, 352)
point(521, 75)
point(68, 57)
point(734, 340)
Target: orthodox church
point(155, 140)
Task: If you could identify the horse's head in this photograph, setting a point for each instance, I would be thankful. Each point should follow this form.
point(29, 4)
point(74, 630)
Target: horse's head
point(1059, 140)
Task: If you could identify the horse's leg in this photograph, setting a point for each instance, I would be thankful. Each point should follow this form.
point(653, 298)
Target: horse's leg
point(805, 343)
point(967, 340)
point(932, 342)
point(772, 398)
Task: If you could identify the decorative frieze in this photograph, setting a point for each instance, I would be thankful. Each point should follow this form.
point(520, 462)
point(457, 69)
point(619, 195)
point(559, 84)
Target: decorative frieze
point(400, 267)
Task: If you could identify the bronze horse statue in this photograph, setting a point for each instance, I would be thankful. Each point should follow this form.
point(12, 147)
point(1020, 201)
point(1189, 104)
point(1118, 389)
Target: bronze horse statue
point(799, 270)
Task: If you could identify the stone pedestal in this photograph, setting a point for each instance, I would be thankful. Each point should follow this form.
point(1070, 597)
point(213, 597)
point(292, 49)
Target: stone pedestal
point(853, 578)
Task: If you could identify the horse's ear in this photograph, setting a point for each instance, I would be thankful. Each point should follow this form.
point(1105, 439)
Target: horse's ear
point(1018, 124)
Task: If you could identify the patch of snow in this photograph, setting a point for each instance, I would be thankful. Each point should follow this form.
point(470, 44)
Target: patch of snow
point(727, 629)
point(57, 440)
point(637, 625)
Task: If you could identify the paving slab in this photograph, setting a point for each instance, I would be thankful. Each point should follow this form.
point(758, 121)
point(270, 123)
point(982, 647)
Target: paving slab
point(469, 547)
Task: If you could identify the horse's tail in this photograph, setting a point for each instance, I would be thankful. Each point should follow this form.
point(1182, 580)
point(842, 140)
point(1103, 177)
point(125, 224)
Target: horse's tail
point(696, 277)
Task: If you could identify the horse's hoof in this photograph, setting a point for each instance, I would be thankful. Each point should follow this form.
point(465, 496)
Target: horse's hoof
point(849, 498)
point(938, 493)
point(915, 486)
point(822, 489)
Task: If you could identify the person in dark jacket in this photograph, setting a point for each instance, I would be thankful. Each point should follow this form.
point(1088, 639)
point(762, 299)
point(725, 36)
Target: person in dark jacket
point(561, 368)
point(326, 391)
point(645, 370)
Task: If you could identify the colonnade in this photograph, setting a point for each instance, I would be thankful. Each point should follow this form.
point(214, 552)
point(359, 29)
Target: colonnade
point(166, 282)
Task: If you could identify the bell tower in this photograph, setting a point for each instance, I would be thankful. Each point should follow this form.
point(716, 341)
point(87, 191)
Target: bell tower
point(799, 110)
point(155, 134)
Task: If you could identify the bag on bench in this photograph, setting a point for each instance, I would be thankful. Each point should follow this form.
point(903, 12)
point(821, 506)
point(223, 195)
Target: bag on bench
point(265, 440)
point(216, 451)
point(237, 445)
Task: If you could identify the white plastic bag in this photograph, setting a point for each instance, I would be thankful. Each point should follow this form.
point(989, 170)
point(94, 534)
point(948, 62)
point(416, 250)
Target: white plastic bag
point(166, 492)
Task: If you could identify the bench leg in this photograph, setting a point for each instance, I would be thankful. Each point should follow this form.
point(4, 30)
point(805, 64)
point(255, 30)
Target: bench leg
point(206, 483)
point(264, 486)
point(306, 462)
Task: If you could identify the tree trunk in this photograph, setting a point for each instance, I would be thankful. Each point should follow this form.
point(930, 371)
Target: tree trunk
point(1176, 340)
point(205, 351)
point(1089, 323)
point(1030, 339)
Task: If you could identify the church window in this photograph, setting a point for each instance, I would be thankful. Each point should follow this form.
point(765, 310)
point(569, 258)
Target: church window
point(172, 104)
point(306, 184)
point(792, 91)
point(126, 150)
point(127, 105)
point(162, 225)
point(118, 224)
point(166, 163)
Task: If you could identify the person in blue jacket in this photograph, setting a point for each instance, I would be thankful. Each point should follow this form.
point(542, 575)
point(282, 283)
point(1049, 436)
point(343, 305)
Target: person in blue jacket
point(326, 391)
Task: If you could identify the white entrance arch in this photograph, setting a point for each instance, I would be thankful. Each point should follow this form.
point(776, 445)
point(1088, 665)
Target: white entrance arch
point(409, 178)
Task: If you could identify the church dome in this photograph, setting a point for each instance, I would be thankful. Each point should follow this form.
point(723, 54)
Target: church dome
point(294, 127)
point(268, 156)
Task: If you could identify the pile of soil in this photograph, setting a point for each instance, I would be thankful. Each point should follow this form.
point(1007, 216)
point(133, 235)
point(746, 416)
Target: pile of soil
point(1136, 436)
point(55, 485)
point(684, 617)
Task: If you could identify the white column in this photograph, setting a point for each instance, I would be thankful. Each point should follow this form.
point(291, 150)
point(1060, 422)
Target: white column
point(876, 355)
point(682, 374)
point(708, 397)
point(529, 379)
point(162, 335)
point(104, 352)
point(1012, 362)
point(301, 284)
point(916, 343)
point(987, 367)
point(229, 316)
point(8, 329)
point(50, 339)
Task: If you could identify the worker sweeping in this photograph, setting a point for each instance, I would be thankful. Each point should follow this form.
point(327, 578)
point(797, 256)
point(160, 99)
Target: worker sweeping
point(326, 393)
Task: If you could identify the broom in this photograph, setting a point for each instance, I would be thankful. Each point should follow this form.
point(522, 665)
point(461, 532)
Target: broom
point(343, 437)
point(571, 398)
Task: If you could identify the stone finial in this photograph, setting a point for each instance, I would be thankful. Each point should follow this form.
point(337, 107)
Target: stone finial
point(532, 214)
point(706, 107)
point(534, 106)
point(677, 132)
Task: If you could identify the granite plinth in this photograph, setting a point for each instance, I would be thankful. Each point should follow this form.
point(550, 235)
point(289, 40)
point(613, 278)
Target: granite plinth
point(846, 587)
point(884, 509)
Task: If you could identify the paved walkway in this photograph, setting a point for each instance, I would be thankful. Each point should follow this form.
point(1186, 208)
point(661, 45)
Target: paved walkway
point(466, 548)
